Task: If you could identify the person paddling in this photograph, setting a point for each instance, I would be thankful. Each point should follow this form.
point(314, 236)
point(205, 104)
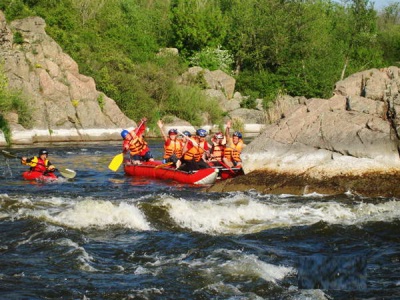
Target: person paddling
point(195, 152)
point(39, 163)
point(172, 147)
point(136, 145)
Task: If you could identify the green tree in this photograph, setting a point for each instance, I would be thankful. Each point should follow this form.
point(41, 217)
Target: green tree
point(356, 32)
point(197, 24)
point(389, 33)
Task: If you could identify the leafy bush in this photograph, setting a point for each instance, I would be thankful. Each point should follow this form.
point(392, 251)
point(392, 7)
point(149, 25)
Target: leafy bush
point(12, 100)
point(213, 59)
point(190, 104)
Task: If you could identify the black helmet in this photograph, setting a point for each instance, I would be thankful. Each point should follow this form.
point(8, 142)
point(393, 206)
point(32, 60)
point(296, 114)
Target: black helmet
point(43, 151)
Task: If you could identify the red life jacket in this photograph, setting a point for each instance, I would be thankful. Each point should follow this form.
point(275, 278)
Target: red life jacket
point(38, 165)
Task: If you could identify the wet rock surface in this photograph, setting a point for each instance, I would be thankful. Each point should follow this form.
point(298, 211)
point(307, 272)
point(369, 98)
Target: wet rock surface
point(373, 184)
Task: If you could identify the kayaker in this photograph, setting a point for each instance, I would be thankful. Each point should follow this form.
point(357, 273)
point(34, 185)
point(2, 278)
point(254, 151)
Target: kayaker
point(39, 163)
point(136, 145)
point(234, 147)
point(172, 146)
point(196, 152)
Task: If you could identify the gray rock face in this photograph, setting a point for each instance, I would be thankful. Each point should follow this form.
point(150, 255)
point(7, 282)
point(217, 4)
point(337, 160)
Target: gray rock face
point(65, 104)
point(335, 144)
point(349, 131)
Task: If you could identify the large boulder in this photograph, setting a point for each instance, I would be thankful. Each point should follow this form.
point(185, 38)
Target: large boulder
point(340, 142)
point(65, 104)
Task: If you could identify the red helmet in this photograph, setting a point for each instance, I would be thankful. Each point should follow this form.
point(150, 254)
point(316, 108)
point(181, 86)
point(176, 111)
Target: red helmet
point(172, 131)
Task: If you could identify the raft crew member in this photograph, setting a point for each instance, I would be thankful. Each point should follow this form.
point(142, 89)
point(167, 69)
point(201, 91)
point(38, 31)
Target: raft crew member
point(173, 147)
point(195, 152)
point(218, 150)
point(234, 147)
point(39, 163)
point(136, 145)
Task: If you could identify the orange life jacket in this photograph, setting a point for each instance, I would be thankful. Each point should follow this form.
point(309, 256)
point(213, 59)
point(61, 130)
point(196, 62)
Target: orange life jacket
point(173, 147)
point(218, 152)
point(136, 145)
point(232, 152)
point(238, 147)
point(193, 154)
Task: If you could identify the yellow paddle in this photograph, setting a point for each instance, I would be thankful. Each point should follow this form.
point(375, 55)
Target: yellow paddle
point(116, 162)
point(164, 165)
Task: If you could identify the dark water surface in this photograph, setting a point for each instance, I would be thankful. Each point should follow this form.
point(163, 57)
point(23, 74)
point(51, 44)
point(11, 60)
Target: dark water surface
point(108, 236)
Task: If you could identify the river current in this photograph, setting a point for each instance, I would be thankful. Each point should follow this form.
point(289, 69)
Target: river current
point(104, 235)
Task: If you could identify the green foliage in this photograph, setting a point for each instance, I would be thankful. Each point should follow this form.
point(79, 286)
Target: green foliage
point(18, 38)
point(301, 47)
point(12, 100)
point(15, 9)
point(213, 59)
point(237, 125)
point(197, 24)
point(190, 104)
point(389, 33)
point(260, 84)
point(101, 101)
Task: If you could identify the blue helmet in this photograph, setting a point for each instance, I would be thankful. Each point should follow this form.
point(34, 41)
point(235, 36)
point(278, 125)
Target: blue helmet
point(201, 132)
point(124, 133)
point(238, 134)
point(187, 133)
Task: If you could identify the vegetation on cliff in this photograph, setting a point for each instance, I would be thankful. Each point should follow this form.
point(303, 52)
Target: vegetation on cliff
point(11, 100)
point(296, 47)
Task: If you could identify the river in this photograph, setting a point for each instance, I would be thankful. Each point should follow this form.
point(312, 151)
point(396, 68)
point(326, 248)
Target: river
point(104, 235)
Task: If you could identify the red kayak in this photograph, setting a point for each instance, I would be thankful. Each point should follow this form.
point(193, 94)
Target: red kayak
point(157, 170)
point(39, 176)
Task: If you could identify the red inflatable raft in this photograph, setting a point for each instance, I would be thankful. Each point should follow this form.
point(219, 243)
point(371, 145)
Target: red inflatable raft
point(39, 176)
point(155, 169)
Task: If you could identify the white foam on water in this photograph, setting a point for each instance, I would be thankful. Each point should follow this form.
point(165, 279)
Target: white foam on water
point(236, 266)
point(311, 295)
point(79, 254)
point(251, 266)
point(94, 213)
point(246, 214)
point(102, 214)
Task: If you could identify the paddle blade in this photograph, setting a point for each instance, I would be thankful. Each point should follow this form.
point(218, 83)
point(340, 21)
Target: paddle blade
point(67, 173)
point(8, 154)
point(116, 162)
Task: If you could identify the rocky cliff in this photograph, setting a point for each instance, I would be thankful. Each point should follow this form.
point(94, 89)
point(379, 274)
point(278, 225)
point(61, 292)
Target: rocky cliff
point(65, 104)
point(349, 142)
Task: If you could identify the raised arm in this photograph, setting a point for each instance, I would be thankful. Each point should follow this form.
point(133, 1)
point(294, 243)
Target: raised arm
point(227, 132)
point(161, 125)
